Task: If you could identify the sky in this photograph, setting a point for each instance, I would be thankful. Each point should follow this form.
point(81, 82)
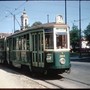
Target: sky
point(38, 11)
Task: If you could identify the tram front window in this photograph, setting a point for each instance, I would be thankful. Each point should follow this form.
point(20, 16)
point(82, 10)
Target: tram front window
point(49, 41)
point(61, 41)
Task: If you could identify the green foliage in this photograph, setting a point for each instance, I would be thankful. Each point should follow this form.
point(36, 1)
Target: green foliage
point(87, 33)
point(74, 37)
point(36, 23)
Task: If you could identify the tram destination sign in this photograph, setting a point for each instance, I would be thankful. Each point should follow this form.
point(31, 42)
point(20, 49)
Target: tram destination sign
point(48, 30)
point(62, 30)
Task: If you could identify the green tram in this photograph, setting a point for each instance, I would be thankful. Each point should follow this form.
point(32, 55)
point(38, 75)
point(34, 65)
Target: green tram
point(2, 50)
point(43, 48)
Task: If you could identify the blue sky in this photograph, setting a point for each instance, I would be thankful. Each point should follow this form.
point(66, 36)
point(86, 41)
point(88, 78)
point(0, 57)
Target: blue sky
point(38, 10)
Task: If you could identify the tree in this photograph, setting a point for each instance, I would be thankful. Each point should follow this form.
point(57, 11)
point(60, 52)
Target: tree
point(36, 23)
point(74, 37)
point(87, 33)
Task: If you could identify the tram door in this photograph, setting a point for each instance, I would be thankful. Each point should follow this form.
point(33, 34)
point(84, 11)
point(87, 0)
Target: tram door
point(37, 49)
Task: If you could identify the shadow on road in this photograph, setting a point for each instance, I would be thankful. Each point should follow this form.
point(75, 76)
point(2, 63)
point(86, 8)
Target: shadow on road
point(25, 71)
point(46, 77)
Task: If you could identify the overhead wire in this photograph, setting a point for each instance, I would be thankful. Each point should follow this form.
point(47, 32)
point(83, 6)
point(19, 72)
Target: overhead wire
point(13, 11)
point(82, 19)
point(20, 6)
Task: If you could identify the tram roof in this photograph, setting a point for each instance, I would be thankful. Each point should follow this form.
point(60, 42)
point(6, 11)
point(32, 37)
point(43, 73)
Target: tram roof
point(53, 24)
point(42, 26)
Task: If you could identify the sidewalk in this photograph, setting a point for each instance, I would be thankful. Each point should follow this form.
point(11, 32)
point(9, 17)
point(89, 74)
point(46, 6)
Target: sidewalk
point(82, 59)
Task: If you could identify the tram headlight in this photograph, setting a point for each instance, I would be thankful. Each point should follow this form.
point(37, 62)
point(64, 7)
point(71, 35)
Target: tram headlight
point(62, 60)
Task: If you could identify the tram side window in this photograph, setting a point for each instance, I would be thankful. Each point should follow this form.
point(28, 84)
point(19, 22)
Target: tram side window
point(35, 41)
point(1, 45)
point(23, 42)
point(40, 41)
point(27, 44)
point(61, 41)
point(10, 44)
point(20, 43)
point(14, 43)
point(49, 41)
point(7, 45)
point(17, 47)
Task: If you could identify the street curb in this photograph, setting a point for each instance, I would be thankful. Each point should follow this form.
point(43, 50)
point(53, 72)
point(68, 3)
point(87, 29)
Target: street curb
point(83, 59)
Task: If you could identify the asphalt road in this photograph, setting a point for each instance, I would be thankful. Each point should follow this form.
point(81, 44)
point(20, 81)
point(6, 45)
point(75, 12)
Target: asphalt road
point(79, 77)
point(80, 74)
point(12, 79)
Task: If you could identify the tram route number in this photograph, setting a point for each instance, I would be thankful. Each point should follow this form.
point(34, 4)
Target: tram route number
point(61, 56)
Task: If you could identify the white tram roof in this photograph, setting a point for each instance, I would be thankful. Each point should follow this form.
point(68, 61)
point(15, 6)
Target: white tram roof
point(43, 26)
point(50, 25)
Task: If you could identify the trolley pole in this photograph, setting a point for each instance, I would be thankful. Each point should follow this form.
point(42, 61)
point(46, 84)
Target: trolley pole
point(47, 18)
point(65, 12)
point(13, 19)
point(80, 27)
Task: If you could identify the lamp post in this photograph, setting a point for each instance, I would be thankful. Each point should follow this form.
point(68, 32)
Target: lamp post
point(80, 26)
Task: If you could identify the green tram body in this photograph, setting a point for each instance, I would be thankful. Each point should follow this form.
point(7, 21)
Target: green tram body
point(2, 50)
point(43, 48)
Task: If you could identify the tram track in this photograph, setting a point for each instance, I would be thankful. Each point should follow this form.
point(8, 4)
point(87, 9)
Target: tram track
point(50, 81)
point(39, 78)
point(55, 85)
point(78, 81)
point(43, 80)
point(66, 83)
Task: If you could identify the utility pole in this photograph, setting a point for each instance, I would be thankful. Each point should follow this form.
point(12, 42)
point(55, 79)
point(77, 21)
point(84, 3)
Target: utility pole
point(65, 12)
point(14, 21)
point(80, 26)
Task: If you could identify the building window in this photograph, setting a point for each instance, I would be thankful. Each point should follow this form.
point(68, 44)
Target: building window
point(25, 22)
